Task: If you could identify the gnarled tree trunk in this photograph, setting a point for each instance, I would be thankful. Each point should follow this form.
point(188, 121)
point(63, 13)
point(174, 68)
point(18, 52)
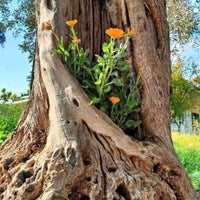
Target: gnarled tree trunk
point(64, 148)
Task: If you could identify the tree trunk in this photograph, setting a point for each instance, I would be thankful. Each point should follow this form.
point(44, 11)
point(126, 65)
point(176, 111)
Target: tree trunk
point(64, 148)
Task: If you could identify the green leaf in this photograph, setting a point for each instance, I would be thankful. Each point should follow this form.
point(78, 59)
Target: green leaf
point(132, 124)
point(66, 53)
point(123, 66)
point(61, 45)
point(107, 89)
point(117, 82)
point(105, 48)
point(99, 81)
point(95, 100)
point(115, 73)
point(96, 69)
point(58, 51)
point(100, 60)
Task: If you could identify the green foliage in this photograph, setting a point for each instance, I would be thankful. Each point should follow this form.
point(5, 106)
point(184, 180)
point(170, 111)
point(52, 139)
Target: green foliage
point(185, 92)
point(7, 96)
point(3, 10)
point(108, 82)
point(9, 116)
point(184, 21)
point(4, 95)
point(187, 148)
point(20, 18)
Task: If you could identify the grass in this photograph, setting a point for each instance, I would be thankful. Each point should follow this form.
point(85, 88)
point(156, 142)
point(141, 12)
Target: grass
point(9, 116)
point(187, 147)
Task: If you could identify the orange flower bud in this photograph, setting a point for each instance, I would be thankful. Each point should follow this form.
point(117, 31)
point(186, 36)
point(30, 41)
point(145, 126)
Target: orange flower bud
point(130, 32)
point(140, 69)
point(46, 26)
point(72, 22)
point(76, 40)
point(114, 100)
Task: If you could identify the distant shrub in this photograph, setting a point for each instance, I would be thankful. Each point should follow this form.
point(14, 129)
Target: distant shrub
point(187, 148)
point(9, 116)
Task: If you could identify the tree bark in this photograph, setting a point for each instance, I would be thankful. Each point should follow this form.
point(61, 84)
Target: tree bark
point(64, 148)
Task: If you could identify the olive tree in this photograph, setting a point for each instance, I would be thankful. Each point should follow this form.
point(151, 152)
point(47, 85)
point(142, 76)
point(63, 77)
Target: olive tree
point(65, 148)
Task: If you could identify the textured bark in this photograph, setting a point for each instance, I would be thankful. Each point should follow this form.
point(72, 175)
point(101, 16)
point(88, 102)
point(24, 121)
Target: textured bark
point(64, 148)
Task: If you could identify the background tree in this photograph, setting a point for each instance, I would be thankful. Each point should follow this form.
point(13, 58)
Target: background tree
point(185, 95)
point(20, 19)
point(64, 148)
point(184, 23)
point(5, 96)
point(2, 35)
point(3, 10)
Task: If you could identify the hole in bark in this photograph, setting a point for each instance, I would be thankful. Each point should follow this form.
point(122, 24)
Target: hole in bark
point(112, 169)
point(49, 4)
point(86, 161)
point(1, 189)
point(30, 188)
point(27, 174)
point(155, 168)
point(56, 153)
point(96, 180)
point(85, 198)
point(7, 163)
point(25, 159)
point(122, 191)
point(88, 179)
point(71, 156)
point(44, 69)
point(75, 102)
point(22, 176)
point(15, 193)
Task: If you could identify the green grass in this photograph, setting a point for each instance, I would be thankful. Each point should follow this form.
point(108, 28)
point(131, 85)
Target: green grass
point(9, 116)
point(187, 147)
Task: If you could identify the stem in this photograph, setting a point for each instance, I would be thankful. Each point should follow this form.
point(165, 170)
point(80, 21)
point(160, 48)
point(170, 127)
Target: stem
point(109, 67)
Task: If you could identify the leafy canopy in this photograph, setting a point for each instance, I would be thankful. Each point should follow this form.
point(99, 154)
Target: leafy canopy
point(186, 91)
point(184, 22)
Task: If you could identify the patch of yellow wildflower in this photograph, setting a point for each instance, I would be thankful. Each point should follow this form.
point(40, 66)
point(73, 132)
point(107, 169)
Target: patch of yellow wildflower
point(188, 140)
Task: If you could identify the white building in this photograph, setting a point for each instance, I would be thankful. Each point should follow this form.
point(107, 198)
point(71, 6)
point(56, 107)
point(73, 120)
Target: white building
point(190, 123)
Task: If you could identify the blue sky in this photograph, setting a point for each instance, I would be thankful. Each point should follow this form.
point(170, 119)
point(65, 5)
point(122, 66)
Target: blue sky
point(14, 66)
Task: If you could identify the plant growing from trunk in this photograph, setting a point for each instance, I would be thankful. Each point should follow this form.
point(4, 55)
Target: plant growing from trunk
point(108, 81)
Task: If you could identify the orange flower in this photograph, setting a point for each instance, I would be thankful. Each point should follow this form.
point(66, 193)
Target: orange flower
point(76, 40)
point(129, 61)
point(140, 69)
point(115, 32)
point(114, 100)
point(72, 22)
point(46, 26)
point(130, 32)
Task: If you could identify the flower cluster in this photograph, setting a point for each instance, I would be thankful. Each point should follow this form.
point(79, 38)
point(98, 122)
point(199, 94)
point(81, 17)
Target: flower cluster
point(107, 82)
